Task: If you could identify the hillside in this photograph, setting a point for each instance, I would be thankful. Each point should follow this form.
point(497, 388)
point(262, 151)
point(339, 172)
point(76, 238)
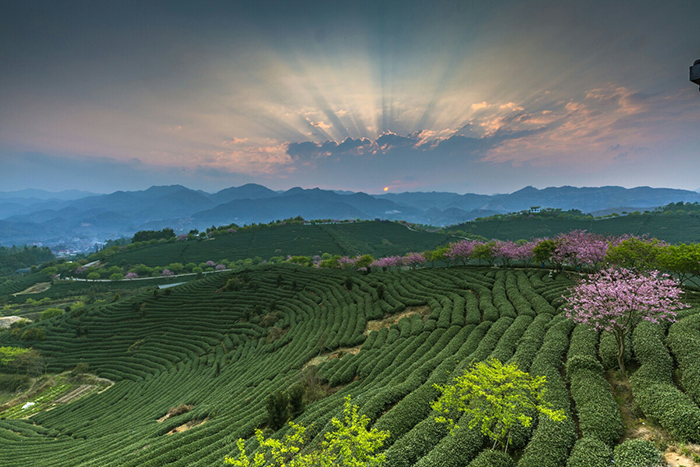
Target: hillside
point(223, 352)
point(671, 227)
point(79, 220)
point(375, 238)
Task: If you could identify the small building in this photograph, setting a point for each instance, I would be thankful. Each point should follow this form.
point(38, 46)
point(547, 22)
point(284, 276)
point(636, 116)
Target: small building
point(535, 209)
point(695, 72)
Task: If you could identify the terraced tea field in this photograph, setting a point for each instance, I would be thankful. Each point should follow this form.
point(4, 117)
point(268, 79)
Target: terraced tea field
point(223, 353)
point(375, 238)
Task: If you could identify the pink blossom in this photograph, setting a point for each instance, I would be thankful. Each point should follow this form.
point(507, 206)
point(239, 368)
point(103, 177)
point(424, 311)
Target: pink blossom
point(210, 264)
point(131, 275)
point(181, 237)
point(414, 259)
point(579, 247)
point(167, 272)
point(387, 262)
point(461, 251)
point(220, 267)
point(616, 300)
point(346, 262)
point(231, 230)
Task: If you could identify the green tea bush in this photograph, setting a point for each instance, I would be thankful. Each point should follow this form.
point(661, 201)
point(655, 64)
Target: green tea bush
point(653, 388)
point(638, 452)
point(684, 341)
point(491, 458)
point(598, 413)
point(50, 313)
point(590, 452)
point(551, 441)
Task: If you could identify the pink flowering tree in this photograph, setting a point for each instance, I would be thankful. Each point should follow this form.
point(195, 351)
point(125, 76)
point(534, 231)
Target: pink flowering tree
point(220, 267)
point(346, 262)
point(525, 252)
point(387, 262)
point(414, 259)
point(461, 251)
point(210, 264)
point(615, 300)
point(167, 273)
point(505, 251)
point(579, 247)
point(131, 275)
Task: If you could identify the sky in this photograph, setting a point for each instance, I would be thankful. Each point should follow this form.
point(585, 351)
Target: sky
point(374, 96)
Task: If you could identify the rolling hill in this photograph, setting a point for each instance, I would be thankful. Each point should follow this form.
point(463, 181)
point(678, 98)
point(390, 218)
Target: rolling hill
point(72, 218)
point(222, 353)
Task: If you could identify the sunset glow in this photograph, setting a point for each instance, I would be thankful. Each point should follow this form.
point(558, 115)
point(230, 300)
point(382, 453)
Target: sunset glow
point(469, 98)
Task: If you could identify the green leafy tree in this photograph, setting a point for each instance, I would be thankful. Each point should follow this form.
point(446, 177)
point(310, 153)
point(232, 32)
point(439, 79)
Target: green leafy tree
point(50, 271)
point(350, 444)
point(364, 261)
point(682, 260)
point(93, 276)
point(496, 398)
point(177, 268)
point(116, 277)
point(50, 313)
point(484, 252)
point(10, 354)
point(637, 254)
point(544, 250)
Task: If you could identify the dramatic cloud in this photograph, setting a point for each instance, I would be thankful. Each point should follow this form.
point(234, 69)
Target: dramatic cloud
point(489, 96)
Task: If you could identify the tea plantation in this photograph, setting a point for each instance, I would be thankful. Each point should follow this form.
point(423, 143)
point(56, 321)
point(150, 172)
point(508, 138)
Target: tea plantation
point(222, 350)
point(374, 238)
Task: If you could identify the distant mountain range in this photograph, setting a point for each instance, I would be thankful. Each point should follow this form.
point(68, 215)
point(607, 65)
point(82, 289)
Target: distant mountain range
point(81, 218)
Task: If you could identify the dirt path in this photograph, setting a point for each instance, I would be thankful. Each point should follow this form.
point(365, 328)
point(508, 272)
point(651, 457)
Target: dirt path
point(75, 394)
point(7, 321)
point(36, 288)
point(378, 324)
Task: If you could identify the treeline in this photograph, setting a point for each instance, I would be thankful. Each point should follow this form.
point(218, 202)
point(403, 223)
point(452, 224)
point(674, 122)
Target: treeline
point(146, 235)
point(14, 258)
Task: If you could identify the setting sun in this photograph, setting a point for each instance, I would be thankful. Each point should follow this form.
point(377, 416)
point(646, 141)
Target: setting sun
point(386, 188)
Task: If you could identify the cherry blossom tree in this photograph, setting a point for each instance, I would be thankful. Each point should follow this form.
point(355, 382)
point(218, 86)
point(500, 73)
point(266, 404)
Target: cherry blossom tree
point(346, 262)
point(131, 275)
point(387, 262)
point(579, 247)
point(506, 251)
point(167, 272)
point(615, 300)
point(525, 252)
point(414, 259)
point(461, 251)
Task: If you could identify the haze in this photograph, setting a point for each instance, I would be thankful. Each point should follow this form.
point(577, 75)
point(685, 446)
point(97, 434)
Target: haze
point(479, 97)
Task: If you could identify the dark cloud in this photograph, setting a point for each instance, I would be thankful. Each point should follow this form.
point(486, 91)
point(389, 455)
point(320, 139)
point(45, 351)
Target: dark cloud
point(309, 150)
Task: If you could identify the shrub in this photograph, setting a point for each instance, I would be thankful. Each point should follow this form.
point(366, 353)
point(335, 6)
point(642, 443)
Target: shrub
point(638, 453)
point(590, 452)
point(50, 313)
point(179, 410)
point(34, 334)
point(491, 458)
point(13, 383)
point(80, 368)
point(653, 388)
point(283, 406)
